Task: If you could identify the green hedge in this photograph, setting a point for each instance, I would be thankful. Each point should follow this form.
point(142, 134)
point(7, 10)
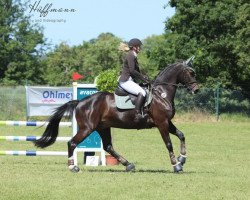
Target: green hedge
point(107, 80)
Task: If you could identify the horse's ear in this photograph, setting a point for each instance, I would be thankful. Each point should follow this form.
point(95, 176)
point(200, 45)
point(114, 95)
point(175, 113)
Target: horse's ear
point(189, 62)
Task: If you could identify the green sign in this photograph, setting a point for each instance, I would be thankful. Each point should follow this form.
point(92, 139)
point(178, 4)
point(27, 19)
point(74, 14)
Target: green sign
point(94, 139)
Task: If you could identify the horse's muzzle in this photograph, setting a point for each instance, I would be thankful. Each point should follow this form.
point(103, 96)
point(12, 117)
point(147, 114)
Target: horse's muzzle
point(194, 88)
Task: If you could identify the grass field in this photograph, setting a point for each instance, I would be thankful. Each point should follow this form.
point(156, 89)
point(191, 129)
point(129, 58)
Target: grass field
point(218, 167)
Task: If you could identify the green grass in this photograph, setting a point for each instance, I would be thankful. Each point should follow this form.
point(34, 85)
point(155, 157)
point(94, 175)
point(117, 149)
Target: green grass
point(217, 167)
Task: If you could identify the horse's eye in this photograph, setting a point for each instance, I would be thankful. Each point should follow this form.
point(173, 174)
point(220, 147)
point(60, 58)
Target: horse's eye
point(192, 73)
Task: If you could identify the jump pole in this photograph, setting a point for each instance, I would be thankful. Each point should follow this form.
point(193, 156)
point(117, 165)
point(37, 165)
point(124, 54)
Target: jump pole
point(29, 138)
point(32, 123)
point(34, 153)
point(31, 152)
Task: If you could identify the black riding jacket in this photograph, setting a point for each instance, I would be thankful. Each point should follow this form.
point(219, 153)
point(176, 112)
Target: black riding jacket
point(131, 68)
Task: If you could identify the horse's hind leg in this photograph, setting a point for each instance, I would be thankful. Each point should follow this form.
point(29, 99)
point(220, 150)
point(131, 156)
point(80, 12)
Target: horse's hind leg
point(108, 147)
point(172, 129)
point(78, 138)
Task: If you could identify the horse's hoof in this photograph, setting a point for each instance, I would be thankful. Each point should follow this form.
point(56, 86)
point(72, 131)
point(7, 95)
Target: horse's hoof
point(74, 169)
point(177, 167)
point(182, 159)
point(130, 167)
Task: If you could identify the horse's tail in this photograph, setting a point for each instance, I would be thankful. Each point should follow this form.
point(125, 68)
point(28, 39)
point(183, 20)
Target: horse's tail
point(51, 132)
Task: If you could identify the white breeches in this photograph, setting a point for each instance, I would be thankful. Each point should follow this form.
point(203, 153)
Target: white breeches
point(132, 87)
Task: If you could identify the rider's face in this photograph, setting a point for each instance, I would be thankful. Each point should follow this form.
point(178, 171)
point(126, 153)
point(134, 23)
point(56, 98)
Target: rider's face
point(137, 49)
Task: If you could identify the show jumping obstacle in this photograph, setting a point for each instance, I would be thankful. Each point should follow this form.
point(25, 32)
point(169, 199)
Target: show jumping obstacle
point(29, 138)
point(34, 153)
point(31, 152)
point(32, 138)
point(91, 144)
point(31, 123)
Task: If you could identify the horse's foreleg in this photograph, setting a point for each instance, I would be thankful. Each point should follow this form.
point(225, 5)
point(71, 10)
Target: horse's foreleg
point(78, 138)
point(129, 166)
point(172, 129)
point(166, 138)
point(108, 147)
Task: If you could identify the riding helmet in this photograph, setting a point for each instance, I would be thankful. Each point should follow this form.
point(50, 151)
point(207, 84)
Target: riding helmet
point(134, 42)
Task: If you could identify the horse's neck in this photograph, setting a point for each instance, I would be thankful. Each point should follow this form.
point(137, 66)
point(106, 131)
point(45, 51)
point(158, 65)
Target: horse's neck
point(167, 81)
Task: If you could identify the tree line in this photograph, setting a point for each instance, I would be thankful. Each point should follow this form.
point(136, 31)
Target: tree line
point(216, 32)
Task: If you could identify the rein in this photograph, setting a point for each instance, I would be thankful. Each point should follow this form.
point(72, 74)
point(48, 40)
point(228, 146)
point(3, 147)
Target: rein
point(165, 101)
point(174, 84)
point(166, 83)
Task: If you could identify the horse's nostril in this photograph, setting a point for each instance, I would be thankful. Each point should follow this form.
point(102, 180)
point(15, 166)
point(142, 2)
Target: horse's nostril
point(196, 91)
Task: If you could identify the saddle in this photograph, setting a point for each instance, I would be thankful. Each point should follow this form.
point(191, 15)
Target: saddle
point(125, 100)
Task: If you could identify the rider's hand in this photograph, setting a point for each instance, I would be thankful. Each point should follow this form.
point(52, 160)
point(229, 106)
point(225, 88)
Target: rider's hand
point(146, 79)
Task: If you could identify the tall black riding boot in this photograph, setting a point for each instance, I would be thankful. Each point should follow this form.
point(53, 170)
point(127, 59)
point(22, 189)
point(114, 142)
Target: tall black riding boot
point(138, 106)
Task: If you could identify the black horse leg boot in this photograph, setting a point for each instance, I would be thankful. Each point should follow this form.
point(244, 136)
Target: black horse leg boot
point(138, 106)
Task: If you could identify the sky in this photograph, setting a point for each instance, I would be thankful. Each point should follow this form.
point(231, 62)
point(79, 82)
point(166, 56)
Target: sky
point(86, 19)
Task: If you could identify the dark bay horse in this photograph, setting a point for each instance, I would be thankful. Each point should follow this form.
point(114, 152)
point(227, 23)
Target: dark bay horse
point(99, 112)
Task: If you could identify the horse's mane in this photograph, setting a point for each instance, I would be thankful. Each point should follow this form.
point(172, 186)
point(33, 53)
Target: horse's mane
point(167, 68)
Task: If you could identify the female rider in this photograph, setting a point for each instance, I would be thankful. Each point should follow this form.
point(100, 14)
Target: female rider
point(129, 72)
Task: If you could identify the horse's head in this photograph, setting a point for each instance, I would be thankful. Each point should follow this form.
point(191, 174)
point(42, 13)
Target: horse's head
point(187, 77)
point(180, 72)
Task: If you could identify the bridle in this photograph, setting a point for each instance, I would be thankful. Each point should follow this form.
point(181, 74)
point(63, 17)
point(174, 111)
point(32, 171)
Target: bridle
point(192, 84)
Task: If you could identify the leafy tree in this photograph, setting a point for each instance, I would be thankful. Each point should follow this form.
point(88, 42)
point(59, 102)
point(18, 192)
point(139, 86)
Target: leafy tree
point(60, 64)
point(157, 53)
point(242, 46)
point(88, 59)
point(103, 54)
point(21, 45)
point(217, 33)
